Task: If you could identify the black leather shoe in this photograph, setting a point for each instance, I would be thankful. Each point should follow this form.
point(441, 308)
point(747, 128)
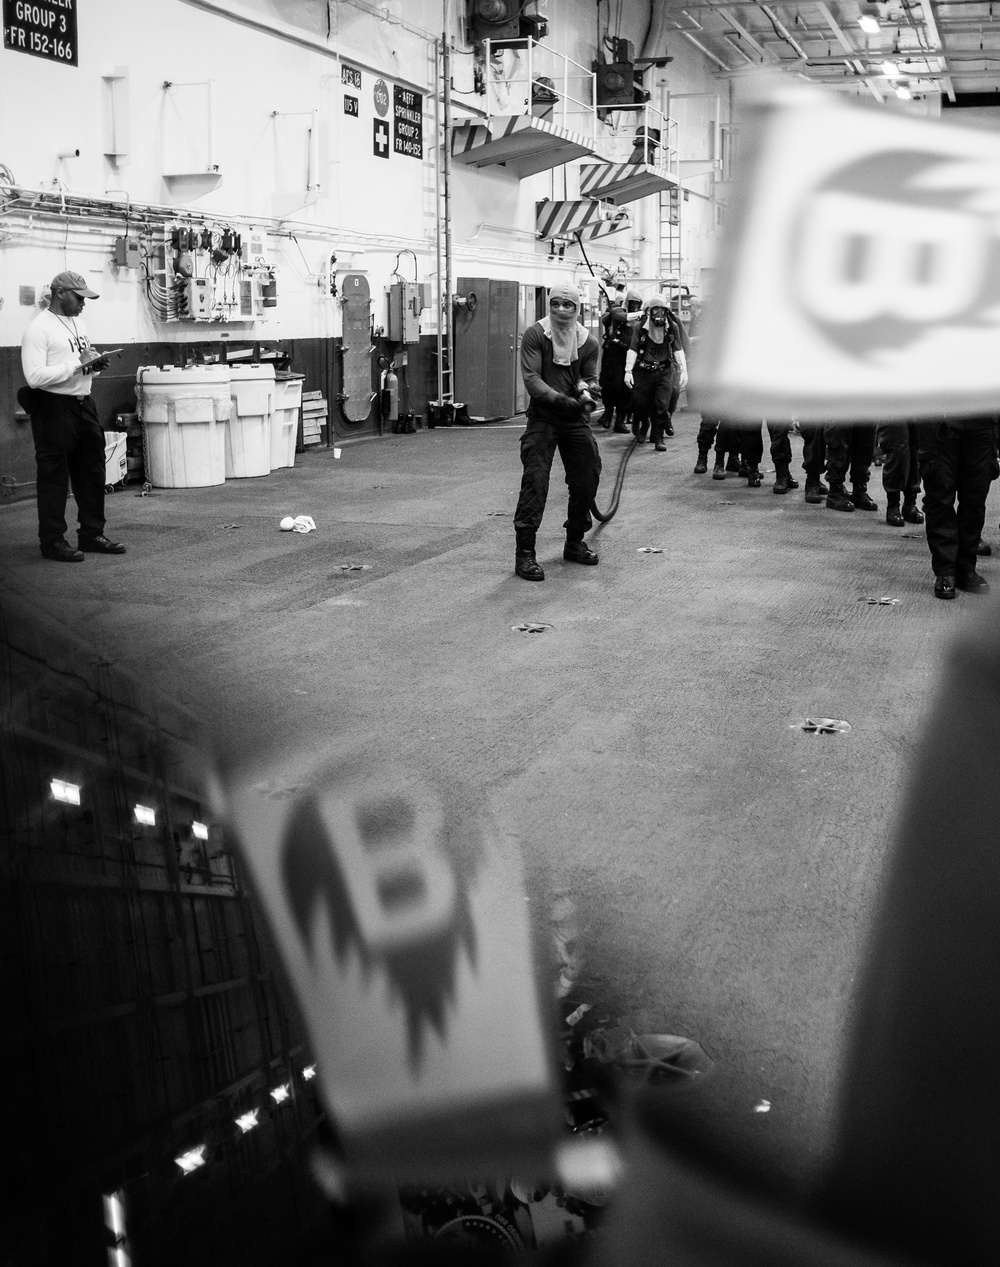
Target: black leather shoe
point(894, 517)
point(100, 545)
point(527, 566)
point(862, 501)
point(579, 552)
point(668, 430)
point(911, 514)
point(701, 466)
point(735, 465)
point(753, 479)
point(814, 492)
point(973, 583)
point(719, 472)
point(660, 447)
point(944, 587)
point(984, 549)
point(61, 551)
point(620, 429)
point(838, 500)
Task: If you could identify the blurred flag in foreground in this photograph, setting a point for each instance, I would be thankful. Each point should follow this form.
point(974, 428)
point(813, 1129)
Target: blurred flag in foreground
point(400, 916)
point(860, 274)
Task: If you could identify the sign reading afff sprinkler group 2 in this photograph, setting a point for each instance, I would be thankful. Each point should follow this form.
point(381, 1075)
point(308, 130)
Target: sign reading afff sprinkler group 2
point(860, 275)
point(408, 122)
point(41, 28)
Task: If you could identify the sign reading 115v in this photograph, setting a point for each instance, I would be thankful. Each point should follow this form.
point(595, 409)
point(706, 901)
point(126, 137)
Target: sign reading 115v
point(41, 28)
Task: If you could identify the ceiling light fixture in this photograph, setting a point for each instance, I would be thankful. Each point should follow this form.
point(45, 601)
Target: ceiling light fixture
point(69, 793)
point(869, 24)
point(891, 70)
point(903, 93)
point(191, 1160)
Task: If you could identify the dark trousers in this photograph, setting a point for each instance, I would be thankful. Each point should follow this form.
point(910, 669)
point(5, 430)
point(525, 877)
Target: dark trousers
point(617, 397)
point(706, 432)
point(752, 444)
point(813, 449)
point(900, 471)
point(850, 447)
point(726, 436)
point(957, 460)
point(651, 400)
point(69, 452)
point(582, 462)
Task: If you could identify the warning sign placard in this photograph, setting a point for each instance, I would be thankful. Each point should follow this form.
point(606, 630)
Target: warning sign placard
point(407, 122)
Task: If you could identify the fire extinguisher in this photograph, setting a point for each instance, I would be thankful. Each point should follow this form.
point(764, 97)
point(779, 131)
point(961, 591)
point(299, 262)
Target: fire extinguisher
point(390, 394)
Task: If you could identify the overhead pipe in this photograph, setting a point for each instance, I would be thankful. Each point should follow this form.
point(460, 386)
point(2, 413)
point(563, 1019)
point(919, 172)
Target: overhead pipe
point(655, 43)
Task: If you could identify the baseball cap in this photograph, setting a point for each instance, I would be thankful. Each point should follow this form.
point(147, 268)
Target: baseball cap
point(74, 282)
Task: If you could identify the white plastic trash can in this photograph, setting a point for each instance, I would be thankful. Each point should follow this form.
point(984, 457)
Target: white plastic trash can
point(285, 420)
point(248, 433)
point(184, 414)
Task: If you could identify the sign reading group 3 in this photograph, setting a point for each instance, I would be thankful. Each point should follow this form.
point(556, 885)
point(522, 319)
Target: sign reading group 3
point(41, 28)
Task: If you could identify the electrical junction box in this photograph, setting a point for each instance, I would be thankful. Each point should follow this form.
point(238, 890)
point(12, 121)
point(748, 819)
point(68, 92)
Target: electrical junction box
point(127, 253)
point(200, 297)
point(406, 302)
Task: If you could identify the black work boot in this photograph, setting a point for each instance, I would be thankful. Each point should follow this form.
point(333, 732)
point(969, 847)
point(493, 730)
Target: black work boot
point(837, 499)
point(859, 496)
point(735, 463)
point(621, 426)
point(701, 466)
point(910, 512)
point(753, 477)
point(668, 427)
point(893, 515)
point(719, 470)
point(525, 564)
point(579, 552)
point(783, 481)
point(657, 439)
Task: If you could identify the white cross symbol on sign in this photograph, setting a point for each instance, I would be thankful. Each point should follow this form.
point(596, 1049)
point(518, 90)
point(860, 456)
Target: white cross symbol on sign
point(381, 139)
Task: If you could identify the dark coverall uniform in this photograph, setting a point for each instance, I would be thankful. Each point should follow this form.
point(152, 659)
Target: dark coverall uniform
point(617, 397)
point(850, 447)
point(653, 382)
point(727, 441)
point(957, 459)
point(814, 460)
point(900, 471)
point(548, 430)
point(752, 447)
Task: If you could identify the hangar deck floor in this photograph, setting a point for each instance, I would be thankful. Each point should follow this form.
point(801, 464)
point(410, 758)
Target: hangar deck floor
point(643, 749)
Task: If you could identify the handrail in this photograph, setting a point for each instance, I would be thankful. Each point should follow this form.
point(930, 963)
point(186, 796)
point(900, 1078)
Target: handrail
point(541, 89)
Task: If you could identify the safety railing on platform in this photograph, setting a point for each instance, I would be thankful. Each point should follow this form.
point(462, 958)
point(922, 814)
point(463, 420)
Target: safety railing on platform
point(641, 134)
point(525, 77)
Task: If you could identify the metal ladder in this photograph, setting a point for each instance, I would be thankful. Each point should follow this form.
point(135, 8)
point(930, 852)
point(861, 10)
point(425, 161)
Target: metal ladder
point(670, 233)
point(442, 193)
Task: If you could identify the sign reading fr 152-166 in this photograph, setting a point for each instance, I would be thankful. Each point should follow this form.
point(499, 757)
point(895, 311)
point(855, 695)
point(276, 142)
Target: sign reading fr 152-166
point(42, 28)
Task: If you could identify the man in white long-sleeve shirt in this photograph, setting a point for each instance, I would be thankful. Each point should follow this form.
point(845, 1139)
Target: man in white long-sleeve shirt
point(59, 364)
